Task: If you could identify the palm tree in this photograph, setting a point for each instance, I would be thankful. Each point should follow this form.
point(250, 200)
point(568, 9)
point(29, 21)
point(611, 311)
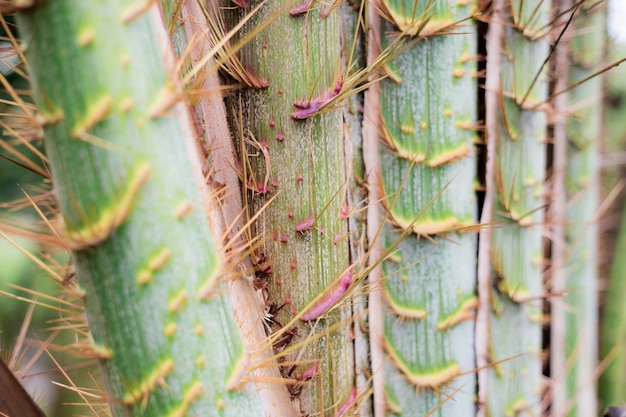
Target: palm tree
point(300, 248)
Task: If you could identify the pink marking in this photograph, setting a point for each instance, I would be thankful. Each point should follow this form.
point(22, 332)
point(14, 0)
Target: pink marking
point(299, 178)
point(262, 188)
point(345, 211)
point(321, 230)
point(274, 183)
point(324, 13)
point(308, 108)
point(301, 9)
point(309, 373)
point(241, 3)
point(347, 404)
point(333, 297)
point(264, 43)
point(293, 264)
point(278, 281)
point(337, 238)
point(275, 235)
point(284, 238)
point(305, 225)
point(280, 91)
point(287, 300)
point(272, 121)
point(290, 214)
point(264, 144)
point(351, 335)
point(280, 137)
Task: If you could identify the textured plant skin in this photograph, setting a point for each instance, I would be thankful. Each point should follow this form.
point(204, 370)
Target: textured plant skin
point(612, 386)
point(427, 113)
point(518, 138)
point(135, 209)
point(574, 362)
point(137, 222)
point(218, 141)
point(296, 157)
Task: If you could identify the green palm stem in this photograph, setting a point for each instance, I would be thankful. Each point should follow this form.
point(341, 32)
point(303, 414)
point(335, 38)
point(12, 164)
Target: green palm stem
point(514, 379)
point(575, 365)
point(427, 111)
point(612, 384)
point(613, 331)
point(134, 209)
point(221, 159)
point(296, 157)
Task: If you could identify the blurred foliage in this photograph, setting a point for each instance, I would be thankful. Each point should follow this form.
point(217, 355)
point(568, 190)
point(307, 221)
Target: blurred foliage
point(615, 133)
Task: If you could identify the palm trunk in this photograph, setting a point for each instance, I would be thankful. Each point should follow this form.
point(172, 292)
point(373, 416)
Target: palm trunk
point(427, 112)
point(128, 182)
point(612, 383)
point(294, 156)
point(574, 350)
point(517, 137)
point(276, 305)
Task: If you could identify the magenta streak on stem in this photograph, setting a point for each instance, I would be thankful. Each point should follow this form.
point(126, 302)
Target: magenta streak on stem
point(301, 9)
point(345, 211)
point(335, 295)
point(242, 3)
point(308, 108)
point(347, 404)
point(305, 224)
point(309, 372)
point(260, 188)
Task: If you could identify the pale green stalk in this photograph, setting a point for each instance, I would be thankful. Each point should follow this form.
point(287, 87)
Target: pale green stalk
point(574, 374)
point(300, 164)
point(196, 46)
point(428, 106)
point(134, 209)
point(514, 382)
point(612, 384)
